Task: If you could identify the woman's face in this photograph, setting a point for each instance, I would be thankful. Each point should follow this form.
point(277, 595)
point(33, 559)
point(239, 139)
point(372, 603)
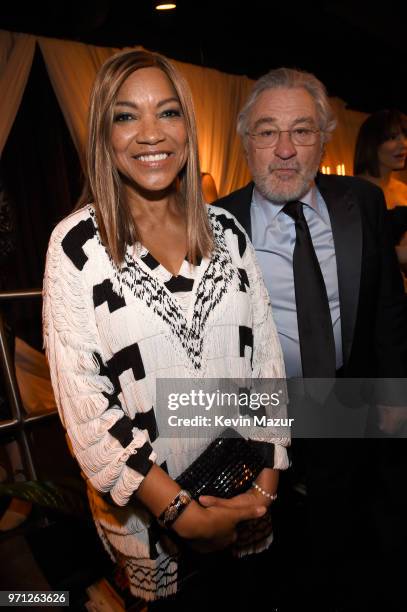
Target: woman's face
point(392, 152)
point(149, 136)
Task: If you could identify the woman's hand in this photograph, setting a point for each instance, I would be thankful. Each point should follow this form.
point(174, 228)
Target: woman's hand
point(211, 528)
point(214, 528)
point(267, 480)
point(244, 530)
point(245, 500)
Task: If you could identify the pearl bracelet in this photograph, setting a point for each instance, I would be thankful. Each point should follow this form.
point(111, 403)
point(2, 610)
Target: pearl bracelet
point(271, 496)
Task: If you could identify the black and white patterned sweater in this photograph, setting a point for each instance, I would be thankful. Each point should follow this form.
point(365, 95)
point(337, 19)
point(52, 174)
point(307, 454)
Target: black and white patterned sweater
point(110, 333)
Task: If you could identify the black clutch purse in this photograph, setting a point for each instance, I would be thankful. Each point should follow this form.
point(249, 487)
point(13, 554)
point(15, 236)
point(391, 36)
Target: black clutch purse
point(226, 468)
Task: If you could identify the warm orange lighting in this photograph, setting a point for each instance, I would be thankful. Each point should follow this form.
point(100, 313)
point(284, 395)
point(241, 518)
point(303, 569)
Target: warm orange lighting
point(166, 7)
point(340, 169)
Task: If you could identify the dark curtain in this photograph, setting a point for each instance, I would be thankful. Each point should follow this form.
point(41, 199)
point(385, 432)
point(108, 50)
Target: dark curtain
point(43, 177)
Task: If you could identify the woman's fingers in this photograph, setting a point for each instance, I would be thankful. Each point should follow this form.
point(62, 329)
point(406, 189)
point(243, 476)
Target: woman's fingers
point(250, 512)
point(243, 500)
point(208, 501)
point(238, 511)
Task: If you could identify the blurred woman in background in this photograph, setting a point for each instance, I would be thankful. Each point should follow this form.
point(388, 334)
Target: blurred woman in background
point(381, 150)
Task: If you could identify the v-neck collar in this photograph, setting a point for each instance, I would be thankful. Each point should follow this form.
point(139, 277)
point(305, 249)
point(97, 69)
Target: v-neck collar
point(160, 272)
point(153, 263)
point(214, 277)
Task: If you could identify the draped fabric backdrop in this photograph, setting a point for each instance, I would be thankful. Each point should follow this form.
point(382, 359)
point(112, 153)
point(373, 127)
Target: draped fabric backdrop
point(42, 179)
point(16, 55)
point(217, 96)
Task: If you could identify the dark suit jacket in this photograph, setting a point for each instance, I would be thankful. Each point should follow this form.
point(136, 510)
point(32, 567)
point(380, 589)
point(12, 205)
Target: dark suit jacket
point(371, 294)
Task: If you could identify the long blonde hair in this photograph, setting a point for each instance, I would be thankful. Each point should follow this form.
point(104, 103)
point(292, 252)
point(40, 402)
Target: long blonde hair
point(103, 184)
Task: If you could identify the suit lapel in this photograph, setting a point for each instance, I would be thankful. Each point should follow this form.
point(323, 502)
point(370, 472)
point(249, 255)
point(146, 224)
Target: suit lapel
point(347, 234)
point(241, 207)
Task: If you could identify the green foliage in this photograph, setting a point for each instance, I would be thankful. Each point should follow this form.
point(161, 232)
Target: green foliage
point(67, 496)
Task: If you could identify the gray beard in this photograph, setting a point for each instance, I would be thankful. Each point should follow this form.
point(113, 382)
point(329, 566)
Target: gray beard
point(280, 197)
point(285, 195)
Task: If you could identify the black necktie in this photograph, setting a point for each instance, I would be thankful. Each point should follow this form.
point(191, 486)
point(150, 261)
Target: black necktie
point(317, 344)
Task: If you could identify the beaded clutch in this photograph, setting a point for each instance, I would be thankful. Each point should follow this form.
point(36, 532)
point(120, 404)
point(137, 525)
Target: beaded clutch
point(227, 467)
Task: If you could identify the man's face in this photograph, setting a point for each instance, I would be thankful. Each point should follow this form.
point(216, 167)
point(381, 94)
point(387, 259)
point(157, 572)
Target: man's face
point(284, 171)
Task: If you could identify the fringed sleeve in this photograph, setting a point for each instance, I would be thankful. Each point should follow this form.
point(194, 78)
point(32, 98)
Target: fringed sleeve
point(114, 454)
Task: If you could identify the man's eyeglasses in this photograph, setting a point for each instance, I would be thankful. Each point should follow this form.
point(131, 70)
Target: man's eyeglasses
point(303, 137)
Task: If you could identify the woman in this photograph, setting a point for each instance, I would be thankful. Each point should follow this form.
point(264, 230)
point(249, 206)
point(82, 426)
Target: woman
point(381, 150)
point(142, 282)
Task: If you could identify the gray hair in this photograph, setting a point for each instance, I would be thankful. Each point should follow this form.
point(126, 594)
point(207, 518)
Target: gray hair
point(291, 79)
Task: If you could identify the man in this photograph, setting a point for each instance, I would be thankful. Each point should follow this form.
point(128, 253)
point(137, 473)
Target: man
point(334, 284)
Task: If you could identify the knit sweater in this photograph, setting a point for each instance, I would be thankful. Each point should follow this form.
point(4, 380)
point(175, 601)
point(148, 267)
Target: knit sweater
point(109, 333)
